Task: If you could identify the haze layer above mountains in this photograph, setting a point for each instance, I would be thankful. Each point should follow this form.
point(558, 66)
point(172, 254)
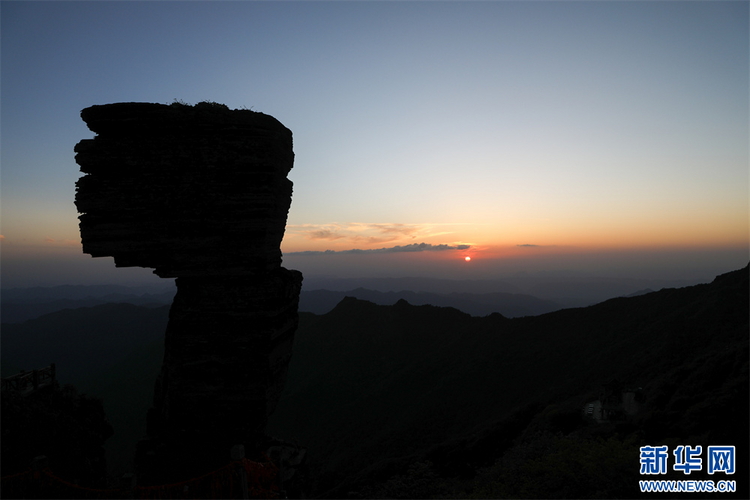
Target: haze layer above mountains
point(524, 295)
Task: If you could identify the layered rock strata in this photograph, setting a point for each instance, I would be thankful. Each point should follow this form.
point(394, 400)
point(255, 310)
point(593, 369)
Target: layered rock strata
point(199, 193)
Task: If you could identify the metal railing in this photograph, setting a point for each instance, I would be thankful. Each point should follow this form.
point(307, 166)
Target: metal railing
point(30, 381)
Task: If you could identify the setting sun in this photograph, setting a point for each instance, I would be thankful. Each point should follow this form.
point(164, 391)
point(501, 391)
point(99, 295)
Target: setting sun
point(467, 258)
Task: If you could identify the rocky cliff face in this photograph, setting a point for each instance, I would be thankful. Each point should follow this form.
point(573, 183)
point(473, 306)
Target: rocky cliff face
point(199, 193)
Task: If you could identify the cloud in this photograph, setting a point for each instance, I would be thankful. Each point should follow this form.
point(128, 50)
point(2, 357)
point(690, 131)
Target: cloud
point(361, 233)
point(311, 252)
point(368, 237)
point(414, 247)
point(378, 234)
point(60, 242)
point(324, 234)
point(328, 232)
point(372, 240)
point(402, 229)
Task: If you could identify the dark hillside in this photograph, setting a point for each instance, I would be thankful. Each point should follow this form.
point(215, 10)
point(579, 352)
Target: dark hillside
point(374, 388)
point(111, 351)
point(127, 390)
point(421, 401)
point(82, 342)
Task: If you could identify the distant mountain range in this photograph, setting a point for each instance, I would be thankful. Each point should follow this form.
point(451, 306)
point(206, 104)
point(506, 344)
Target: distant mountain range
point(566, 289)
point(526, 296)
point(408, 400)
point(508, 304)
point(21, 304)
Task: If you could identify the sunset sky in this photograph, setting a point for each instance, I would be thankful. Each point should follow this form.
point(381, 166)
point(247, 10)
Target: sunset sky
point(526, 135)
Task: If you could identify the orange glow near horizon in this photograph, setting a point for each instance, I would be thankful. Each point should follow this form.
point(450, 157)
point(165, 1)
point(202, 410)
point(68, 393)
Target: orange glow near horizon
point(622, 230)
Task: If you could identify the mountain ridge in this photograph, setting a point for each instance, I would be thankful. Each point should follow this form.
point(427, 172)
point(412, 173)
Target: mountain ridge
point(476, 297)
point(410, 374)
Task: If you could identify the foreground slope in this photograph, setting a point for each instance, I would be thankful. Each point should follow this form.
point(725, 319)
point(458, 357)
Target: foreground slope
point(372, 386)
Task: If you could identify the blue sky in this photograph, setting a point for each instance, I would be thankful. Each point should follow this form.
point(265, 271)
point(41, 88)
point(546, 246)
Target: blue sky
point(571, 127)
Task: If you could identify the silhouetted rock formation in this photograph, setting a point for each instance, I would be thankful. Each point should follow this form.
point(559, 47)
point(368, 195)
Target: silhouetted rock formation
point(189, 191)
point(199, 193)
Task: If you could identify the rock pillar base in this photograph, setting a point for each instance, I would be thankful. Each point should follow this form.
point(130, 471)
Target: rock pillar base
point(227, 348)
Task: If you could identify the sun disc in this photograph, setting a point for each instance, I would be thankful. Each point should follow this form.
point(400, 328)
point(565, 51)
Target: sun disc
point(467, 258)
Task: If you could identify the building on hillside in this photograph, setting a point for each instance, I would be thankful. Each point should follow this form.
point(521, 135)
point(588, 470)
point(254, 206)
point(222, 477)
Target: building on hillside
point(615, 403)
